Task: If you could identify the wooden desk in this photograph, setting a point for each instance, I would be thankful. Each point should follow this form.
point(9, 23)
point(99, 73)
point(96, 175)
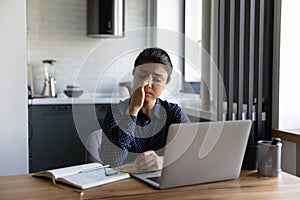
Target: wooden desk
point(250, 185)
point(292, 135)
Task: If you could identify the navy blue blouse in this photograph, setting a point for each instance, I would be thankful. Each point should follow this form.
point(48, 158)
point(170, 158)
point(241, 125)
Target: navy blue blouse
point(126, 136)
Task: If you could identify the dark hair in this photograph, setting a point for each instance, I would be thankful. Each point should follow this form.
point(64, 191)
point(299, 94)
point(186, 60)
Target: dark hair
point(154, 55)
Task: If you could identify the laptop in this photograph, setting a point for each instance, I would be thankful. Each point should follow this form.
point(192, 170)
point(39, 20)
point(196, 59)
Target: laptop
point(201, 152)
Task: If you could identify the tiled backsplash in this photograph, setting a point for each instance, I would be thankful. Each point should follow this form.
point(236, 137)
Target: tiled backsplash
point(57, 30)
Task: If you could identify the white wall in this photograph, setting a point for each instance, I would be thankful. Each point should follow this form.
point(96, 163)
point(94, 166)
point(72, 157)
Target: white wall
point(289, 95)
point(169, 36)
point(13, 87)
point(57, 30)
point(170, 29)
point(289, 73)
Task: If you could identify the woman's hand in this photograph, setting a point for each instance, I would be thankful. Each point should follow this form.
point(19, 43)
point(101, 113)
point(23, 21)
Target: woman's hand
point(148, 161)
point(136, 100)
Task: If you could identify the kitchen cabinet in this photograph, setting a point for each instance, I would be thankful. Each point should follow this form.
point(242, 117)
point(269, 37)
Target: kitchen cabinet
point(57, 133)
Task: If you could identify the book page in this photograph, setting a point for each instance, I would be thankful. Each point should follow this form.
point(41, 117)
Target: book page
point(93, 178)
point(85, 175)
point(67, 170)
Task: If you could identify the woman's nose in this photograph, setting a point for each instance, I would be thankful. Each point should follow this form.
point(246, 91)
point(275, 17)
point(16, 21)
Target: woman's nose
point(149, 80)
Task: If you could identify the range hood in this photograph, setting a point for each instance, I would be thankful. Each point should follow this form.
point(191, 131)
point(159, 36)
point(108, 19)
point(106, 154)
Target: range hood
point(105, 18)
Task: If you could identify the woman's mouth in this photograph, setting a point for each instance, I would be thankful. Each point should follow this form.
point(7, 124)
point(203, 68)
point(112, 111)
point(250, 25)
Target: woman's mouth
point(148, 94)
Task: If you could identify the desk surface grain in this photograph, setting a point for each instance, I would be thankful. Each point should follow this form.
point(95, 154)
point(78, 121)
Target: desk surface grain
point(250, 185)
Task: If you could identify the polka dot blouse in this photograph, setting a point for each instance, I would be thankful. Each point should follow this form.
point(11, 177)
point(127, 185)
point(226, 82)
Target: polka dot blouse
point(126, 136)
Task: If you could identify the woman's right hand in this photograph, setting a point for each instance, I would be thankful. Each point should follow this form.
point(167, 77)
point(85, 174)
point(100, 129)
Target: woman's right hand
point(136, 100)
point(148, 161)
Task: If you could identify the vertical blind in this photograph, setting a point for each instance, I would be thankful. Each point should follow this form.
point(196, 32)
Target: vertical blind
point(245, 64)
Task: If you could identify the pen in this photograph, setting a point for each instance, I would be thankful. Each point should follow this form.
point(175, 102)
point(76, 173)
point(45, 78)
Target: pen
point(93, 168)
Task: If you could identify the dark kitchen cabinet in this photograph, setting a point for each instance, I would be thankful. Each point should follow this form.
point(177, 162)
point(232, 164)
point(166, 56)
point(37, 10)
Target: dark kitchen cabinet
point(57, 133)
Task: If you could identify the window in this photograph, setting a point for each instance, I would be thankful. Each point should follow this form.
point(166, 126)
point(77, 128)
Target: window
point(193, 34)
point(193, 39)
point(193, 18)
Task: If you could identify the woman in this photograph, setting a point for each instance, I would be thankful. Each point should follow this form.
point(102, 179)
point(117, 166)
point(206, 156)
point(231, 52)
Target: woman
point(135, 130)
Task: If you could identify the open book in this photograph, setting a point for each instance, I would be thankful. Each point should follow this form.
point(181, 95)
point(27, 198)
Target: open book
point(84, 176)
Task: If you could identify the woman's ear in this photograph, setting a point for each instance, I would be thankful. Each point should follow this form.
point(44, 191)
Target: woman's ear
point(133, 71)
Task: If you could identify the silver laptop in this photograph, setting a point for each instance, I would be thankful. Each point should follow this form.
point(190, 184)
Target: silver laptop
point(201, 152)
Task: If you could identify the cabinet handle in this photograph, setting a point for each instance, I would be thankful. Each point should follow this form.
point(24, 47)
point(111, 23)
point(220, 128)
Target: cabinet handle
point(68, 107)
point(30, 131)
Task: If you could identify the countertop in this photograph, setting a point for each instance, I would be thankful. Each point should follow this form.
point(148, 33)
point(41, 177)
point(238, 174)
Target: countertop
point(190, 103)
point(87, 98)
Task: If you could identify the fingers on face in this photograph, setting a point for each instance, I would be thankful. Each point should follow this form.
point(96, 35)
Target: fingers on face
point(139, 88)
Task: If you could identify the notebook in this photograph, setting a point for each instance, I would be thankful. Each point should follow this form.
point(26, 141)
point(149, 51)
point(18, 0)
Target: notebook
point(84, 176)
point(201, 152)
